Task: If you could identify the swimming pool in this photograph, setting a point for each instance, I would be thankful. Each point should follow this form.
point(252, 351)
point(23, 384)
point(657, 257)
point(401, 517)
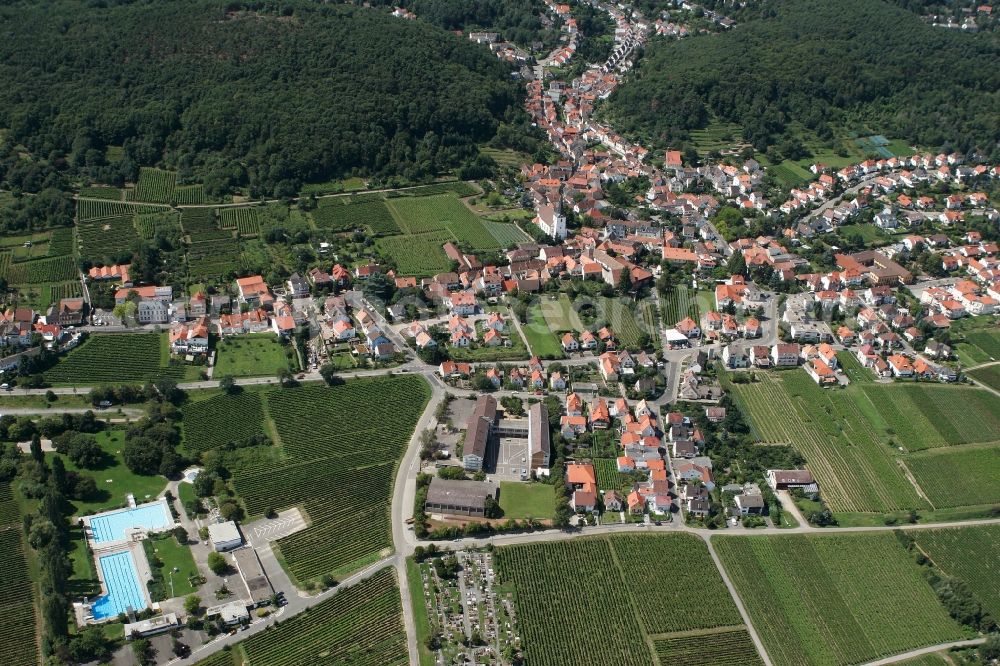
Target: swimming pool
point(112, 526)
point(122, 582)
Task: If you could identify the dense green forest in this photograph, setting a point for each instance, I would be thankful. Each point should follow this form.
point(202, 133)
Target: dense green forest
point(822, 66)
point(517, 21)
point(254, 96)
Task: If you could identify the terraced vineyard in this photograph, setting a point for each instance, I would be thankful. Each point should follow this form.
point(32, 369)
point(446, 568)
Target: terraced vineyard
point(684, 571)
point(106, 238)
point(855, 468)
point(924, 416)
point(682, 302)
point(342, 444)
point(148, 224)
point(968, 553)
point(37, 271)
point(419, 255)
point(186, 195)
point(564, 591)
point(337, 214)
point(114, 359)
point(505, 233)
point(977, 467)
point(836, 599)
point(360, 625)
point(620, 316)
point(733, 647)
point(18, 646)
point(246, 221)
point(222, 419)
point(155, 185)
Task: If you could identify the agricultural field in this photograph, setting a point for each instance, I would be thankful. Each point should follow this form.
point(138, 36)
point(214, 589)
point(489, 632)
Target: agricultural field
point(198, 221)
point(87, 210)
point(459, 188)
point(527, 500)
point(620, 316)
point(107, 237)
point(857, 373)
point(424, 214)
point(990, 376)
point(109, 193)
point(834, 599)
point(970, 554)
point(421, 255)
point(61, 241)
point(960, 476)
point(246, 221)
point(680, 303)
point(539, 336)
point(250, 355)
point(924, 416)
point(716, 136)
point(114, 359)
point(563, 587)
point(337, 214)
point(360, 625)
point(222, 419)
point(684, 571)
point(608, 476)
point(847, 454)
point(733, 647)
point(505, 233)
point(155, 185)
point(321, 431)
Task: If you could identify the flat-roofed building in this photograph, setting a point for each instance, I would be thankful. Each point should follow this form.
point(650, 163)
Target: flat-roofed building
point(258, 586)
point(225, 536)
point(460, 498)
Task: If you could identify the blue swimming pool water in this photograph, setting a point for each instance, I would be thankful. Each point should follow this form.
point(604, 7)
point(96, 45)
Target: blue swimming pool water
point(122, 581)
point(112, 526)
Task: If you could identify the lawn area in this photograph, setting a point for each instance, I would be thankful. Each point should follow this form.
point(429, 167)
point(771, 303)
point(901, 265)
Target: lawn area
point(924, 416)
point(790, 174)
point(960, 476)
point(979, 346)
point(844, 449)
point(559, 314)
point(114, 479)
point(527, 500)
point(250, 355)
point(178, 567)
point(869, 233)
point(989, 375)
point(539, 336)
point(834, 599)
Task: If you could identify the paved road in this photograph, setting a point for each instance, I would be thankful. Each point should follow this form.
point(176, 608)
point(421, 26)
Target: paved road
point(926, 650)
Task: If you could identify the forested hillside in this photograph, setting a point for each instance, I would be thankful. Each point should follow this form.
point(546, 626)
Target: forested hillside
point(823, 66)
point(259, 96)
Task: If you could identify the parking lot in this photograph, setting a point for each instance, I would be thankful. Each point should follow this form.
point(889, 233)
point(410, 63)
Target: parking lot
point(512, 459)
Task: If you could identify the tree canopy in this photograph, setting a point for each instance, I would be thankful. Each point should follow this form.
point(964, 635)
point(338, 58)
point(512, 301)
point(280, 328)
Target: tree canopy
point(245, 95)
point(818, 65)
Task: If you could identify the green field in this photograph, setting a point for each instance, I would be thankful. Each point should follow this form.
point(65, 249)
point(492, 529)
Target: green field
point(539, 336)
point(339, 214)
point(836, 599)
point(924, 416)
point(990, 376)
point(361, 625)
point(155, 185)
point(716, 136)
point(844, 449)
point(250, 355)
point(638, 586)
point(118, 358)
point(340, 448)
point(608, 476)
point(979, 346)
point(970, 554)
point(177, 565)
point(559, 314)
point(114, 480)
point(961, 476)
point(527, 500)
point(18, 639)
point(221, 419)
point(505, 233)
point(619, 315)
point(442, 212)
